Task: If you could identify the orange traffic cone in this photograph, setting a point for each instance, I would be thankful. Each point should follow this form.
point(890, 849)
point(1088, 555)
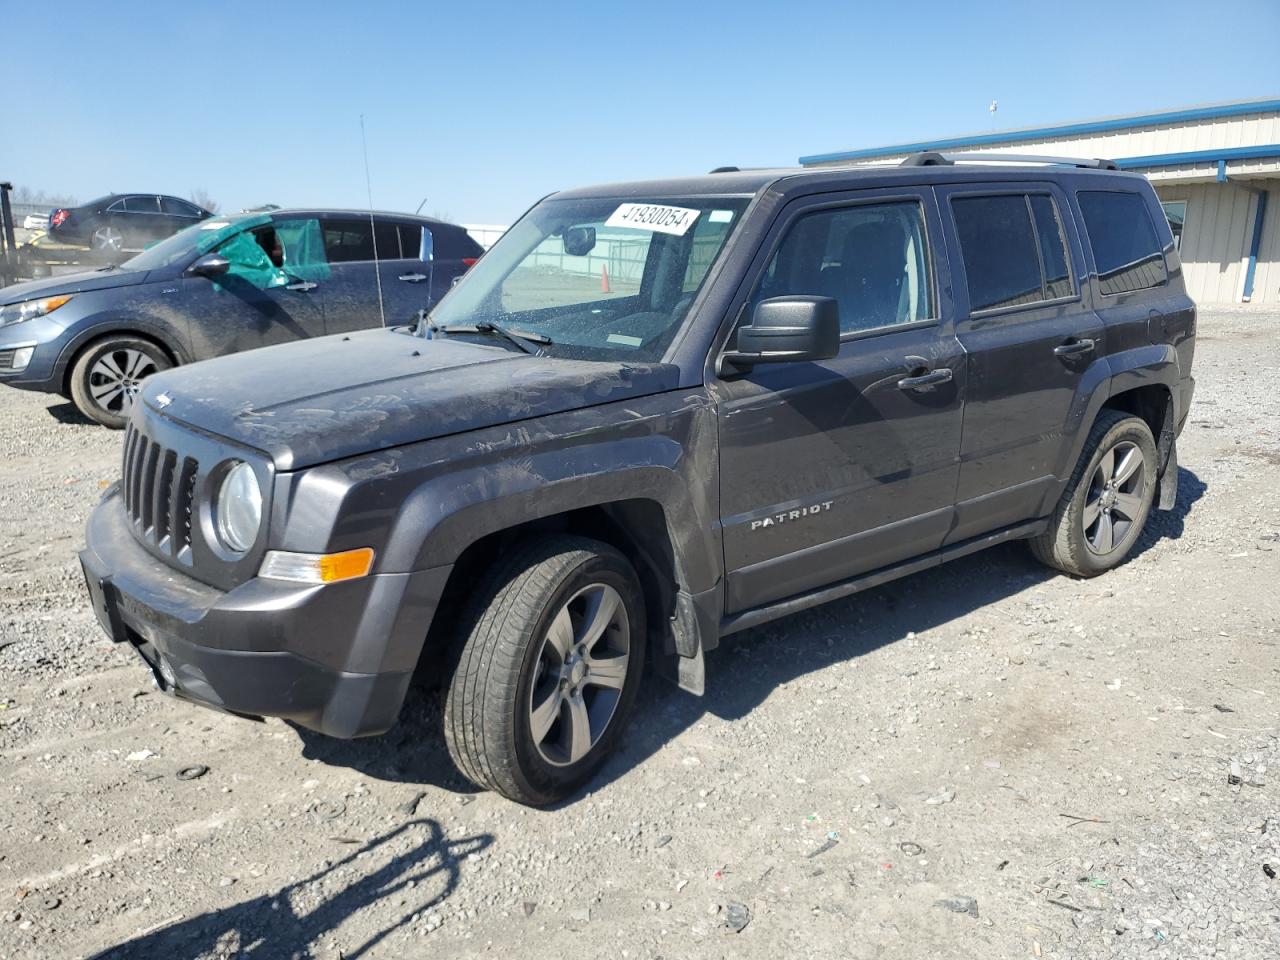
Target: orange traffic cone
point(604, 278)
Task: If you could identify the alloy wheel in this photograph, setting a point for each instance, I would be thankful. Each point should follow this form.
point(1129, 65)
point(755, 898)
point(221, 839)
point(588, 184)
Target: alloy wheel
point(116, 377)
point(1115, 500)
point(581, 671)
point(108, 238)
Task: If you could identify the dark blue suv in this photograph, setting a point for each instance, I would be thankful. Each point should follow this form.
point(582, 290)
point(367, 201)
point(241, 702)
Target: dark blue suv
point(224, 285)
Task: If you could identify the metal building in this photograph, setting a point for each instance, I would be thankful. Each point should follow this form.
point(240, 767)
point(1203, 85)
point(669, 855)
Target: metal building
point(1216, 169)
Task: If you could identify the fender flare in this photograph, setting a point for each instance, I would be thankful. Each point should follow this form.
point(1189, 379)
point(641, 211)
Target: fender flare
point(449, 513)
point(1148, 365)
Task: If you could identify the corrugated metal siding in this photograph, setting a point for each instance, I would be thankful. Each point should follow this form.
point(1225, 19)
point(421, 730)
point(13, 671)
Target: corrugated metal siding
point(1266, 278)
point(1214, 239)
point(1223, 133)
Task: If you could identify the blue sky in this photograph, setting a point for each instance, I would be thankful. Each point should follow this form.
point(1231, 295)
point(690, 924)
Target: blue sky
point(484, 107)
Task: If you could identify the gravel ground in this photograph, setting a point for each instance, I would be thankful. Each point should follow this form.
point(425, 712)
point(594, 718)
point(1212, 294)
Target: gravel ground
point(983, 760)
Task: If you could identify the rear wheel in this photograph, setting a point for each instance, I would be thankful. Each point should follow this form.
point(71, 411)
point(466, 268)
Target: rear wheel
point(1107, 501)
point(108, 375)
point(551, 658)
point(107, 239)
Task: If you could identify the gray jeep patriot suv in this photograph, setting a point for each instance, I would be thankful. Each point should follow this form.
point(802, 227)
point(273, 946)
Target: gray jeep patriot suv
point(652, 415)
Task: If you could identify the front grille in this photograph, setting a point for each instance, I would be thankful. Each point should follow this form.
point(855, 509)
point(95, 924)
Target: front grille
point(159, 493)
point(6, 359)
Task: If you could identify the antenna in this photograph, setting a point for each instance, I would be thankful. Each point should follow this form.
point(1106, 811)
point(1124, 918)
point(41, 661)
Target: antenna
point(368, 184)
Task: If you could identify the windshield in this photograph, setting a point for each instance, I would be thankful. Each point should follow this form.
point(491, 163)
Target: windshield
point(198, 238)
point(599, 277)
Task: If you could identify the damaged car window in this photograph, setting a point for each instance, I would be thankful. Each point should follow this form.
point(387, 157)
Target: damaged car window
point(598, 277)
point(274, 255)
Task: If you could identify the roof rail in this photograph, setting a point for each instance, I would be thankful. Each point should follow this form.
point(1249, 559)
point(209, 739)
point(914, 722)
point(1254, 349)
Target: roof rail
point(726, 170)
point(931, 158)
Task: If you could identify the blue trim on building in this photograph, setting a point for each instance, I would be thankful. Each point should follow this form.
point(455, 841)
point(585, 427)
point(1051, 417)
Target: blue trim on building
point(1064, 130)
point(1222, 171)
point(1255, 243)
point(1220, 155)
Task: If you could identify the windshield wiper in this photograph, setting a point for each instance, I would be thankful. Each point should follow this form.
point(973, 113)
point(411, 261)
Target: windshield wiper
point(531, 343)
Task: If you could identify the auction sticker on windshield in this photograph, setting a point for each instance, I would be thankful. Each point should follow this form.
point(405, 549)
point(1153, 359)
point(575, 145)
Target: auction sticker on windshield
point(652, 216)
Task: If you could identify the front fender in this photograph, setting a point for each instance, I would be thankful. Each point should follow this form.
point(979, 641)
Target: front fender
point(422, 505)
point(100, 326)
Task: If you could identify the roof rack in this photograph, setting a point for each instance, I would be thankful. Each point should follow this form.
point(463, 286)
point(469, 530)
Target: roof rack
point(931, 158)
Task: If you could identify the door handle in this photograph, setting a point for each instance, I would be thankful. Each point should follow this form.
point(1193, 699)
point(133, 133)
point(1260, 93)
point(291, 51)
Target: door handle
point(1073, 348)
point(302, 286)
point(413, 277)
point(927, 380)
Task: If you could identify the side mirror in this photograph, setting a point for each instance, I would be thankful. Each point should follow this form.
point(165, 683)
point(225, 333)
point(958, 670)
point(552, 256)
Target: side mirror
point(210, 265)
point(427, 251)
point(579, 241)
point(785, 329)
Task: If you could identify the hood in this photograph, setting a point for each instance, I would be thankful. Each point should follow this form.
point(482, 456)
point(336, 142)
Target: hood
point(319, 400)
point(71, 283)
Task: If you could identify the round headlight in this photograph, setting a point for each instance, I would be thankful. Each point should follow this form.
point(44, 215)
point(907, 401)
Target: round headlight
point(237, 511)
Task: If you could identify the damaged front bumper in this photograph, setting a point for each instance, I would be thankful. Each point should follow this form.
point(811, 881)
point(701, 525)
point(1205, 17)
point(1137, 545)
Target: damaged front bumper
point(264, 648)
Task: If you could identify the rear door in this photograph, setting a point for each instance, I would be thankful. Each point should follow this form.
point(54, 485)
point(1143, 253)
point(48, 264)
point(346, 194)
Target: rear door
point(1031, 340)
point(832, 469)
point(352, 298)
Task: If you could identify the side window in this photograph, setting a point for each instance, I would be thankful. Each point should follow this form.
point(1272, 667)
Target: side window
point(347, 241)
point(388, 237)
point(708, 236)
point(351, 241)
point(410, 240)
point(178, 208)
point(141, 205)
point(998, 246)
point(1175, 211)
point(1125, 246)
point(872, 258)
point(1053, 247)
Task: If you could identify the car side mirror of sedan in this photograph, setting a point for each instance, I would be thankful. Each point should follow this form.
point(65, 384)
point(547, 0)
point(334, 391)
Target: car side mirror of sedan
point(210, 265)
point(785, 330)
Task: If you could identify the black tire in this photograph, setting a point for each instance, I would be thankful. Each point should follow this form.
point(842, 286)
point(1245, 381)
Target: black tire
point(133, 357)
point(502, 664)
point(1079, 548)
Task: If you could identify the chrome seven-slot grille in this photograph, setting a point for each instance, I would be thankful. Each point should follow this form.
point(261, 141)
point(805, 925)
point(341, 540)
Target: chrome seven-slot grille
point(159, 493)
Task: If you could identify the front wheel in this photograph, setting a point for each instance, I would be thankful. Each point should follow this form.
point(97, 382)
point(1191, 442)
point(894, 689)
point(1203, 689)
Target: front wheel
point(1106, 502)
point(108, 375)
point(550, 661)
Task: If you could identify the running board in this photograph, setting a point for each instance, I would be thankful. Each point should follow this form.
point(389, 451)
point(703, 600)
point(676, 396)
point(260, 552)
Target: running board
point(759, 615)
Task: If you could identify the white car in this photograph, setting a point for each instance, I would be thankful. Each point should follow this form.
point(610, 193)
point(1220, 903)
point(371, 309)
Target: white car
point(36, 221)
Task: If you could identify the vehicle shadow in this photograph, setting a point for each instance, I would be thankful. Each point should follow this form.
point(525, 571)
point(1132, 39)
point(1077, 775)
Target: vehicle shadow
point(280, 925)
point(749, 666)
point(67, 412)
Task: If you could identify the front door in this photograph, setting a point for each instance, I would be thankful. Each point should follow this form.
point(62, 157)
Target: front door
point(272, 293)
point(833, 469)
point(1031, 343)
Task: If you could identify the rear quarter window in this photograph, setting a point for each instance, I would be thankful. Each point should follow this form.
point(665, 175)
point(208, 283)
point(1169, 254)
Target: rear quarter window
point(1125, 246)
point(454, 243)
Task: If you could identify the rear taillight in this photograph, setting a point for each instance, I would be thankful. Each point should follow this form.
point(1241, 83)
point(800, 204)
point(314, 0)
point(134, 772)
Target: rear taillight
point(469, 262)
point(59, 217)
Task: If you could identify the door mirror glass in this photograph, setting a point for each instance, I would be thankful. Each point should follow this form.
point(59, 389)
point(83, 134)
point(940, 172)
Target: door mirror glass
point(427, 251)
point(211, 265)
point(786, 329)
point(579, 241)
